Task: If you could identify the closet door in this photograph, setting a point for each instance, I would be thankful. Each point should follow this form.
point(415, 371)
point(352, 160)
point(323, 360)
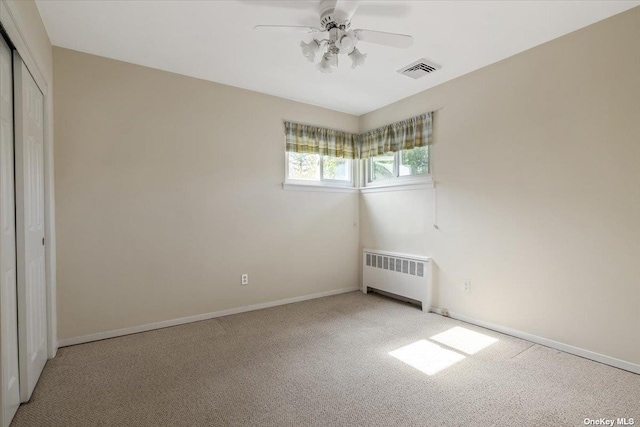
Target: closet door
point(9, 374)
point(29, 161)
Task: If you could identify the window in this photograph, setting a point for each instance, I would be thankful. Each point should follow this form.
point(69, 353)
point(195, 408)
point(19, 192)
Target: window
point(406, 169)
point(396, 168)
point(314, 169)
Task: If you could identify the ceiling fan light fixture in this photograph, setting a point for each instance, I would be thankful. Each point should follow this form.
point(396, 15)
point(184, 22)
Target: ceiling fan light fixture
point(310, 49)
point(328, 61)
point(357, 58)
point(336, 36)
point(347, 42)
point(333, 58)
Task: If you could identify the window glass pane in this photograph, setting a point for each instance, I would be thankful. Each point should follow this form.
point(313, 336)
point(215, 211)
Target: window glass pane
point(335, 168)
point(382, 167)
point(304, 166)
point(414, 162)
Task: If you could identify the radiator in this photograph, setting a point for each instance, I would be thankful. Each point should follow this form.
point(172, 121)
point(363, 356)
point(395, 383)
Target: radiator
point(405, 276)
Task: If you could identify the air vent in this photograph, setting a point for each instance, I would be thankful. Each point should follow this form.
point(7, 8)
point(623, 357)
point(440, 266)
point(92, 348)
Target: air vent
point(415, 268)
point(420, 68)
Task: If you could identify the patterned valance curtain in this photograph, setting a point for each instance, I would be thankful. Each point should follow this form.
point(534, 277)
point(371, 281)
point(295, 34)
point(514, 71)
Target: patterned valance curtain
point(404, 135)
point(327, 142)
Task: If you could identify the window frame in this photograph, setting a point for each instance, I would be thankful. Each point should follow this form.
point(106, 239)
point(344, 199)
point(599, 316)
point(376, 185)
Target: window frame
point(397, 180)
point(322, 183)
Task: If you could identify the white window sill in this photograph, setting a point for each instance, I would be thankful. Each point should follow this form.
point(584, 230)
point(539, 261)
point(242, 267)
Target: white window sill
point(318, 187)
point(372, 188)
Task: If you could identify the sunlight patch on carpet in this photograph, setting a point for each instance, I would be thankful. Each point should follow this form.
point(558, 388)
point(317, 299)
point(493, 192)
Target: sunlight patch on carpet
point(465, 340)
point(427, 357)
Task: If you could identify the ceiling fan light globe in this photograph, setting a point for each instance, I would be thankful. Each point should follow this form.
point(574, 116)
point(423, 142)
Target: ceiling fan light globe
point(357, 58)
point(332, 59)
point(324, 67)
point(310, 49)
point(328, 61)
point(347, 44)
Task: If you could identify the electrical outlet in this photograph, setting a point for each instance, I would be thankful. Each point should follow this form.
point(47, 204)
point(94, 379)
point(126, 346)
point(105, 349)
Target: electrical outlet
point(245, 279)
point(466, 286)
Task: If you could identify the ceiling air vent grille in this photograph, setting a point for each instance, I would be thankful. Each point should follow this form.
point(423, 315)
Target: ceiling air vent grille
point(420, 68)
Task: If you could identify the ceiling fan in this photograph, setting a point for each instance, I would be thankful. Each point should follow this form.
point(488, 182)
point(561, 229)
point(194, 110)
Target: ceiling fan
point(335, 19)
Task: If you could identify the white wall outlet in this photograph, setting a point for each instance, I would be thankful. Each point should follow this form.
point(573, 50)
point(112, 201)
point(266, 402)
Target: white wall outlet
point(245, 279)
point(466, 286)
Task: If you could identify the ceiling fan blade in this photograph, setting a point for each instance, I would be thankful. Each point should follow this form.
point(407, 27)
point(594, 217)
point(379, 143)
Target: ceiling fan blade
point(388, 39)
point(287, 29)
point(345, 9)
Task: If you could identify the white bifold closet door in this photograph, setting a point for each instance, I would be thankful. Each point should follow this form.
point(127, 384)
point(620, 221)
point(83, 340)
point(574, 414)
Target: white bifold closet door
point(9, 374)
point(29, 173)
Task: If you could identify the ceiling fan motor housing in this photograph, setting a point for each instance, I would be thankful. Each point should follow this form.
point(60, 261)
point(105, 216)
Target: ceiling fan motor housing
point(328, 18)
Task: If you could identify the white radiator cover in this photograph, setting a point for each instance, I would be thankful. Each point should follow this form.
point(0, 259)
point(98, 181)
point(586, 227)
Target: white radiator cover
point(407, 276)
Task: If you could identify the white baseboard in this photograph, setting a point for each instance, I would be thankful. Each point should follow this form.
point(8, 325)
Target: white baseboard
point(175, 322)
point(607, 360)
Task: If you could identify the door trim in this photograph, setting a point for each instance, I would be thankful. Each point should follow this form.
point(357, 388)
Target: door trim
point(12, 24)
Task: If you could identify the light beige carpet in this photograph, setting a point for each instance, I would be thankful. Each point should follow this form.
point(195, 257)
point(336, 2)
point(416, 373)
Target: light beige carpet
point(324, 362)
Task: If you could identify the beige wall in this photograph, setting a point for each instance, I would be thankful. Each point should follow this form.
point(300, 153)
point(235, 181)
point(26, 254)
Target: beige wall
point(537, 163)
point(169, 188)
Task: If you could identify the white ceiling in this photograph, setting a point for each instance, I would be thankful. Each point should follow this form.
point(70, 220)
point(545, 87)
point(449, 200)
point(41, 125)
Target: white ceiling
point(214, 40)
